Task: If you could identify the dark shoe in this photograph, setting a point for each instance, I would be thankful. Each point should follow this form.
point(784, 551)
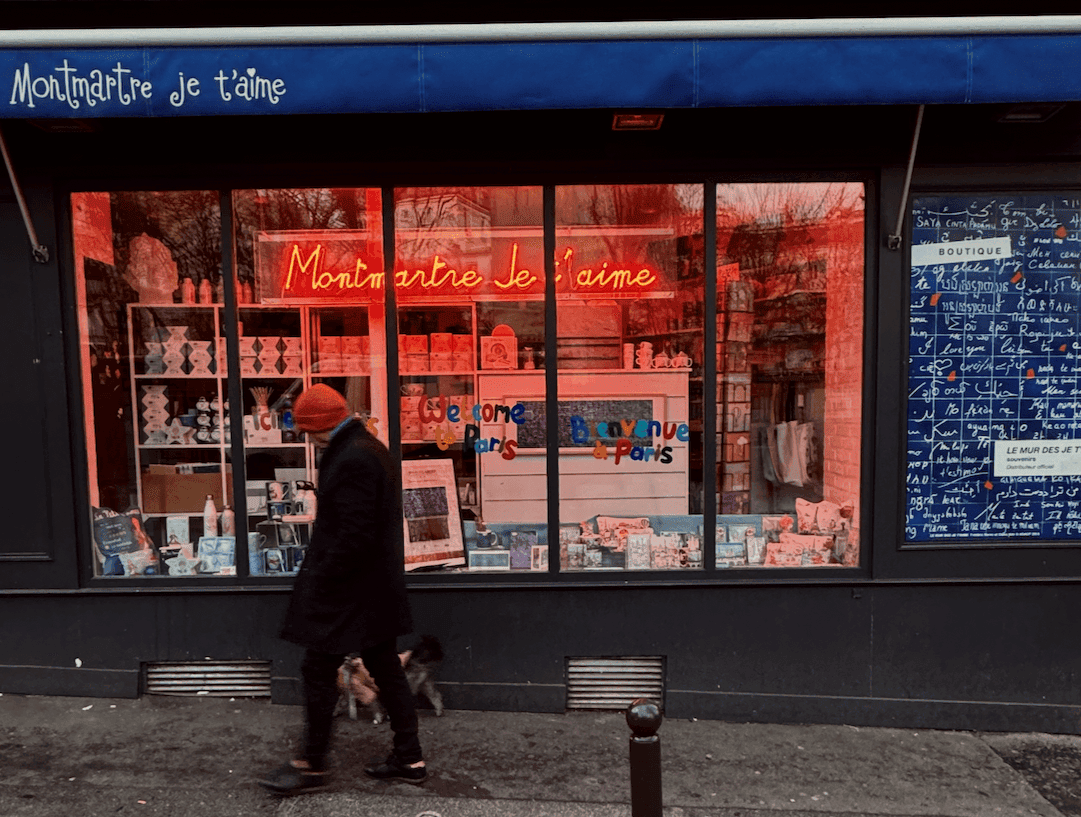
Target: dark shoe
point(393, 769)
point(289, 780)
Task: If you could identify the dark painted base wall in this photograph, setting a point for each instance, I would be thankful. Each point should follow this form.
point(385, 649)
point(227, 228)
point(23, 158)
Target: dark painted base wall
point(989, 657)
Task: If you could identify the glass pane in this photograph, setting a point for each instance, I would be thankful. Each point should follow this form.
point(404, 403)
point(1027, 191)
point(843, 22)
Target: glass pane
point(630, 309)
point(789, 373)
point(149, 285)
point(311, 292)
point(469, 279)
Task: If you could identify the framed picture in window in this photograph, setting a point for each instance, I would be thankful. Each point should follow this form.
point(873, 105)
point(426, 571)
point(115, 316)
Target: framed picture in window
point(431, 519)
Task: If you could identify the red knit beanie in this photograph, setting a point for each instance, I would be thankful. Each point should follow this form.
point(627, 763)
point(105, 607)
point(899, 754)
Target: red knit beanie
point(319, 408)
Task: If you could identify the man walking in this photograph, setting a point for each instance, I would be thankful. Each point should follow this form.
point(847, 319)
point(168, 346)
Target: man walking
point(349, 595)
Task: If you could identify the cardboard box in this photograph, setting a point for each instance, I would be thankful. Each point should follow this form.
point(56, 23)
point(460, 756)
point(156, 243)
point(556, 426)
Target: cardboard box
point(183, 493)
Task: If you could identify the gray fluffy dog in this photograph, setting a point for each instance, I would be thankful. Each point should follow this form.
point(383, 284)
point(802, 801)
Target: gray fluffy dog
point(420, 664)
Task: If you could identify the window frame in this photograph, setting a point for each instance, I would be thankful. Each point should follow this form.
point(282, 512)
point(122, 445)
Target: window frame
point(709, 573)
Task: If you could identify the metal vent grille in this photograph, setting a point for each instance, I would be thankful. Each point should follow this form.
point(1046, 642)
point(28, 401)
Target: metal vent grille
point(613, 683)
point(226, 679)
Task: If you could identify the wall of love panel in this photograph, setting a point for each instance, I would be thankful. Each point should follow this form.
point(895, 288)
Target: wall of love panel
point(994, 411)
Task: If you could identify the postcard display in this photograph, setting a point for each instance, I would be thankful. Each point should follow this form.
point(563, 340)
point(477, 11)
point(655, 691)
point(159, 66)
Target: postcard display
point(994, 418)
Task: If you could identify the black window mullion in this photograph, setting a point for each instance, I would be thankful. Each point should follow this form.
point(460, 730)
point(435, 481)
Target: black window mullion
point(709, 381)
point(551, 377)
point(234, 392)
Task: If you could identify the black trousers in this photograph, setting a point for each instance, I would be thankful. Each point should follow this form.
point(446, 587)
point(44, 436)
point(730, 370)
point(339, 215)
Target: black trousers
point(320, 673)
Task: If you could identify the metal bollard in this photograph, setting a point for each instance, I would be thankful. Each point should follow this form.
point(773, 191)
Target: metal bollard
point(644, 719)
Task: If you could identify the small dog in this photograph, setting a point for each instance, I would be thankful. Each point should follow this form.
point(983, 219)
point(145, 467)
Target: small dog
point(420, 665)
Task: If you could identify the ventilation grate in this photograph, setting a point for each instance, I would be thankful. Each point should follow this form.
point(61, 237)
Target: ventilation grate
point(613, 683)
point(232, 679)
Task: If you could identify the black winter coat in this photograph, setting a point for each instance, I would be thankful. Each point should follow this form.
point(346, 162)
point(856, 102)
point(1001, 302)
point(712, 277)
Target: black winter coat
point(350, 591)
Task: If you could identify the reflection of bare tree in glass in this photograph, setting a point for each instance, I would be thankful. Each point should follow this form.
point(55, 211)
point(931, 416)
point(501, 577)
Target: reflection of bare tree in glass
point(771, 227)
point(318, 208)
point(674, 210)
point(445, 221)
point(187, 222)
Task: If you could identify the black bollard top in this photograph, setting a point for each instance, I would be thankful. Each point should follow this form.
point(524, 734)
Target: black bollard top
point(644, 717)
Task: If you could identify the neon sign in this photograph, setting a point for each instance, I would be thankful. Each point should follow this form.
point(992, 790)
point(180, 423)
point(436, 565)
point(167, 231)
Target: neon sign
point(325, 272)
point(308, 277)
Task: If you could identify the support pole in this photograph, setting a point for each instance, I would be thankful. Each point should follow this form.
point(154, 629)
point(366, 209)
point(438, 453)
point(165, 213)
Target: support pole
point(39, 250)
point(644, 719)
point(894, 240)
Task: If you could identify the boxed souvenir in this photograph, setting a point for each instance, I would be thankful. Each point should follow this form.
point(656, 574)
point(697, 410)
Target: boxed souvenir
point(292, 365)
point(152, 361)
point(329, 354)
point(200, 358)
point(442, 343)
point(269, 343)
point(416, 344)
point(794, 550)
point(539, 558)
point(740, 532)
point(489, 559)
point(246, 344)
point(177, 531)
point(352, 354)
point(731, 555)
point(638, 549)
point(756, 550)
point(499, 352)
point(215, 553)
point(521, 549)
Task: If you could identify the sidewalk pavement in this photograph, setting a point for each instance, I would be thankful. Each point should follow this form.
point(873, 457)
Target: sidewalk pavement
point(198, 757)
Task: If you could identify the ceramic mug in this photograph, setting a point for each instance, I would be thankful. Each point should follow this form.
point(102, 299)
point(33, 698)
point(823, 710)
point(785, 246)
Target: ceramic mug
point(487, 539)
point(255, 553)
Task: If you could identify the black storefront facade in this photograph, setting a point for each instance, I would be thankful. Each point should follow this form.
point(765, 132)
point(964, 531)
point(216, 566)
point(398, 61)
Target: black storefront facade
point(736, 277)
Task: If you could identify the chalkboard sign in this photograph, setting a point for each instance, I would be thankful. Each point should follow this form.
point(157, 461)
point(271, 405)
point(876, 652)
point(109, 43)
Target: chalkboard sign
point(994, 413)
point(532, 433)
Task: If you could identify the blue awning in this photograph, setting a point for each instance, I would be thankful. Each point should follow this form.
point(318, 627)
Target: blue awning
point(537, 74)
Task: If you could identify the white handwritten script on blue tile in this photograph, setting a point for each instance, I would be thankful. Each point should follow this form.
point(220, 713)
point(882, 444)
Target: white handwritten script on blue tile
point(994, 412)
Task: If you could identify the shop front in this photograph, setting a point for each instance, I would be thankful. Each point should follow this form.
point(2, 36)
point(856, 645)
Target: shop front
point(680, 410)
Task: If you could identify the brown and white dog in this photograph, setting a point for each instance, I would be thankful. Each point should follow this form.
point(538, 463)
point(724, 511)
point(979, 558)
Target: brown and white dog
point(420, 665)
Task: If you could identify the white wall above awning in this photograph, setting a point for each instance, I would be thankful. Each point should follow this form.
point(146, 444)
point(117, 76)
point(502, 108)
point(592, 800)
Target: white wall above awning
point(517, 66)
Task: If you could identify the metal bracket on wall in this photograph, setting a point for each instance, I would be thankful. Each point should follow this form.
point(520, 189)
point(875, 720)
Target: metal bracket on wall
point(894, 240)
point(39, 250)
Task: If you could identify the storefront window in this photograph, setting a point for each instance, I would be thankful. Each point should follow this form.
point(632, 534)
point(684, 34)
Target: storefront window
point(789, 373)
point(630, 307)
point(469, 282)
point(466, 404)
point(310, 310)
point(149, 287)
